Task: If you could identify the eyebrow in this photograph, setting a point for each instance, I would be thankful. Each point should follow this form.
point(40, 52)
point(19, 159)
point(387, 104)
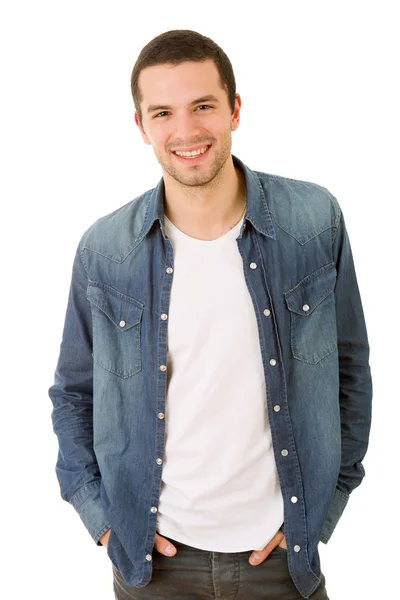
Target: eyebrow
point(209, 98)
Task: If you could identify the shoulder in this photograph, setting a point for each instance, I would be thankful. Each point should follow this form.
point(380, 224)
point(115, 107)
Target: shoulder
point(114, 234)
point(303, 208)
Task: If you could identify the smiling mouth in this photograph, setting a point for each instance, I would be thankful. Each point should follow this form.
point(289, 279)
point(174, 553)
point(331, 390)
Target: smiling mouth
point(191, 157)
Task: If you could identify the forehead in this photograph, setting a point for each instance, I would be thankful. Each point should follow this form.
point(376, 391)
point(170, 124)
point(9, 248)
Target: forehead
point(179, 83)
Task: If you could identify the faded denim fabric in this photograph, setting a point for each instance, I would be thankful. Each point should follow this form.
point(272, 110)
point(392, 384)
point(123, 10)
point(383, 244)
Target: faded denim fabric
point(110, 381)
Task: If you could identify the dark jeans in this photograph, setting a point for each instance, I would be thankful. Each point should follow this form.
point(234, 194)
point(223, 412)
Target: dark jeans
point(194, 574)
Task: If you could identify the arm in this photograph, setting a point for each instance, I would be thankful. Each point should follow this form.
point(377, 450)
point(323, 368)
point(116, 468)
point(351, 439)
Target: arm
point(355, 383)
point(72, 415)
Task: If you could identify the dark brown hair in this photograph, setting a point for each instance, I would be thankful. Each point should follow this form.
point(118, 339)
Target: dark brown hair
point(175, 47)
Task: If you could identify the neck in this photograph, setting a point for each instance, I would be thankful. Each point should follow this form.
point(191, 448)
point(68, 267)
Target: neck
point(208, 211)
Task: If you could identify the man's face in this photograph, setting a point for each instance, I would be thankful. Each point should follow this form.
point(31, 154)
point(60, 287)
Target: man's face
point(179, 115)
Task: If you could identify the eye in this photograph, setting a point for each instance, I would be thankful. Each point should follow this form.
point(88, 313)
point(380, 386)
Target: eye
point(163, 112)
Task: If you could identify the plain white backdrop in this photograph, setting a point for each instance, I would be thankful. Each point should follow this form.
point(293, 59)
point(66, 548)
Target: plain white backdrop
point(320, 100)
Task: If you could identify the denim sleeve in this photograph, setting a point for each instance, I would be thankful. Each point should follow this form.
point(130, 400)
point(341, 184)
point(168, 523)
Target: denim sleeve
point(355, 383)
point(72, 414)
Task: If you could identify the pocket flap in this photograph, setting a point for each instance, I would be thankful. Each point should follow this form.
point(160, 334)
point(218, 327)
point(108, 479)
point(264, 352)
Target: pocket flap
point(122, 310)
point(311, 290)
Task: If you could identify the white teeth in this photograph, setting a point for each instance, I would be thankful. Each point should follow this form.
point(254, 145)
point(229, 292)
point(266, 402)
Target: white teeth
point(194, 153)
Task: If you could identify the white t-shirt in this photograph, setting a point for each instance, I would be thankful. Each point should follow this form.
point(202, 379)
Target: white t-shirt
point(220, 489)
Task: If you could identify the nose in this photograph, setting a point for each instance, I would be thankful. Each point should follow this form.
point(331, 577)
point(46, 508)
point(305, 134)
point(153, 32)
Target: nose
point(186, 128)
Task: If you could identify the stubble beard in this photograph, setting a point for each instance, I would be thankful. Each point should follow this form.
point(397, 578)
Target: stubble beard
point(194, 177)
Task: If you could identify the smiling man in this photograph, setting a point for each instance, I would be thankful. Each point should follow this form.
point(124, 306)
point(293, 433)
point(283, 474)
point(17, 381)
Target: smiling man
point(212, 396)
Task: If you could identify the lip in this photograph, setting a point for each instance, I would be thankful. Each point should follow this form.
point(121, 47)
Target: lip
point(196, 160)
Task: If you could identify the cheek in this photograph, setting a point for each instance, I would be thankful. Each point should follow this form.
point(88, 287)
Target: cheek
point(218, 121)
point(219, 127)
point(160, 136)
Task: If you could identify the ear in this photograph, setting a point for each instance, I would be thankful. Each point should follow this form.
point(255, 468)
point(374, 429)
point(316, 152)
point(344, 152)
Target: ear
point(142, 131)
point(235, 118)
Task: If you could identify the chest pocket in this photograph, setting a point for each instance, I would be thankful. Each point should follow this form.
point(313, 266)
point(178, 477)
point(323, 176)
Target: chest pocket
point(312, 309)
point(116, 329)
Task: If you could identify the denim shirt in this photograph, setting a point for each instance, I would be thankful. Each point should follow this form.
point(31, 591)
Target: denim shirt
point(109, 386)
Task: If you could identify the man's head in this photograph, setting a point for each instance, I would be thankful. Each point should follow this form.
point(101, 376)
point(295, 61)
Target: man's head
point(184, 92)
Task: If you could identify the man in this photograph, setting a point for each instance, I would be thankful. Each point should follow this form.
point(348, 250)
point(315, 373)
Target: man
point(213, 392)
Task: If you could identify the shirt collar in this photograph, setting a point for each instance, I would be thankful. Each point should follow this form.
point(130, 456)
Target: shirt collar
point(257, 211)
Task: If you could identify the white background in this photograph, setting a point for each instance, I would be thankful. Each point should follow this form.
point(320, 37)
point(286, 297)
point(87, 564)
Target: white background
point(320, 98)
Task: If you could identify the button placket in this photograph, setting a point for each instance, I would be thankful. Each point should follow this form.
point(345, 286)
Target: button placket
point(288, 466)
point(163, 368)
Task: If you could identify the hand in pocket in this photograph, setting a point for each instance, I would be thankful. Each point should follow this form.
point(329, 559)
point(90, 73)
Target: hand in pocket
point(104, 538)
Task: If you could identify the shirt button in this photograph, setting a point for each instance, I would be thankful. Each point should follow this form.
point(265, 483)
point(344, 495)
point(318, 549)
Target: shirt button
point(122, 323)
point(160, 415)
point(296, 548)
point(169, 270)
point(159, 461)
point(148, 557)
point(253, 266)
point(163, 368)
point(306, 307)
point(164, 316)
point(277, 408)
point(294, 499)
point(284, 452)
point(272, 362)
point(153, 509)
point(267, 312)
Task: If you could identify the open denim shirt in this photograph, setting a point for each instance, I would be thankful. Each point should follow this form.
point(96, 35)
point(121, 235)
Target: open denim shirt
point(109, 388)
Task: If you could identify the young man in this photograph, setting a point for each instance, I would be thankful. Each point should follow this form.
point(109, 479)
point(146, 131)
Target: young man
point(213, 389)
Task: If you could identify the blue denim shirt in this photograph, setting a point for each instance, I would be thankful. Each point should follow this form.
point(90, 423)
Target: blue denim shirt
point(110, 381)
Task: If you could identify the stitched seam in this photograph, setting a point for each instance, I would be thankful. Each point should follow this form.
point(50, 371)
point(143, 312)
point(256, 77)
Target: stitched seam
point(311, 276)
point(114, 372)
point(292, 235)
point(117, 293)
point(112, 319)
point(96, 482)
point(338, 216)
